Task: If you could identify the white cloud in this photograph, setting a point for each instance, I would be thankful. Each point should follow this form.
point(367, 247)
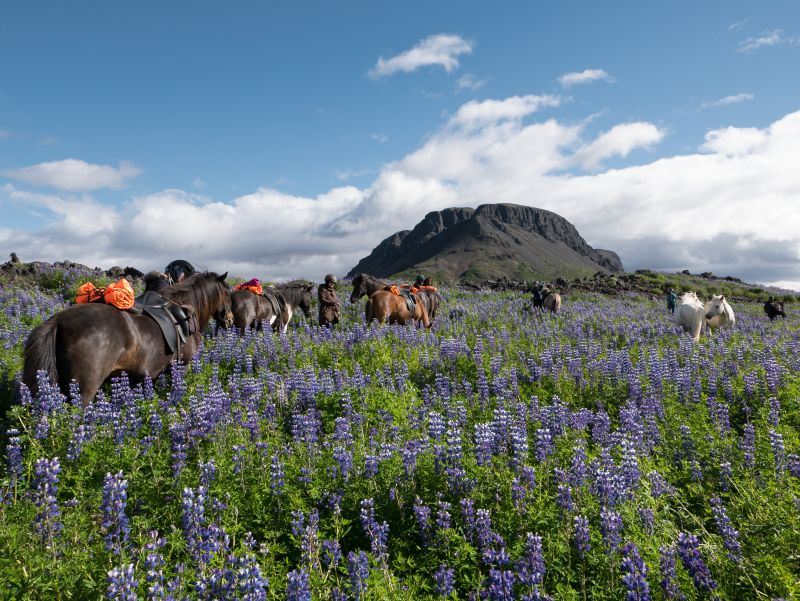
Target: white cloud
point(587, 76)
point(731, 207)
point(735, 141)
point(478, 113)
point(436, 50)
point(199, 183)
point(74, 175)
point(470, 82)
point(733, 99)
point(769, 38)
point(618, 141)
point(379, 137)
point(4, 134)
point(737, 26)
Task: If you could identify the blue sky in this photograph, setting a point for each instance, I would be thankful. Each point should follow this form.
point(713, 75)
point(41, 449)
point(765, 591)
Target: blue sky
point(217, 108)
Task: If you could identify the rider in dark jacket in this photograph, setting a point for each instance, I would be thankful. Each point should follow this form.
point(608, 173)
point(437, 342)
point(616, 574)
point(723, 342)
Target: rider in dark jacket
point(328, 302)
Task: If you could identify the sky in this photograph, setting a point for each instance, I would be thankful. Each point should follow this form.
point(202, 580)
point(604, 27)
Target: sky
point(288, 139)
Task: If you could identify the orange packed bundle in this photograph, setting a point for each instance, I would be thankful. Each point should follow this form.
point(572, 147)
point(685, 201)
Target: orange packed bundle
point(253, 286)
point(431, 288)
point(89, 293)
point(120, 294)
point(395, 290)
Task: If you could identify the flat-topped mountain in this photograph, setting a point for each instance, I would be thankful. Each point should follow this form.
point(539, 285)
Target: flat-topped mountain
point(494, 240)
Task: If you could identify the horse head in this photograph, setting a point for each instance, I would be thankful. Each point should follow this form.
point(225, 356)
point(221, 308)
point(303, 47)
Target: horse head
point(716, 306)
point(359, 288)
point(305, 300)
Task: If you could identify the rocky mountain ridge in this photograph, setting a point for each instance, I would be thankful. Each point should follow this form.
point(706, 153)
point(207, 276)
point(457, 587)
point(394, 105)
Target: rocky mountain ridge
point(465, 244)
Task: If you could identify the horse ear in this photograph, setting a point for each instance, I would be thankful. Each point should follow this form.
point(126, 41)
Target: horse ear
point(722, 297)
point(222, 277)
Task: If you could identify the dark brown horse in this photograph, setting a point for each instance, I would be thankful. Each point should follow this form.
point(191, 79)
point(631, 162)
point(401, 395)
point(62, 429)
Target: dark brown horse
point(774, 309)
point(383, 305)
point(91, 343)
point(254, 310)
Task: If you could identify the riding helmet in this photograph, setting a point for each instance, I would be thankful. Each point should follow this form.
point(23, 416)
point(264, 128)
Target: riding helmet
point(330, 279)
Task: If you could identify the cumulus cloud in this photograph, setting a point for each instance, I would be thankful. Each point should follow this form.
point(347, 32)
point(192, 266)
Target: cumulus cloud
point(478, 113)
point(732, 99)
point(75, 175)
point(729, 207)
point(437, 50)
point(587, 76)
point(618, 141)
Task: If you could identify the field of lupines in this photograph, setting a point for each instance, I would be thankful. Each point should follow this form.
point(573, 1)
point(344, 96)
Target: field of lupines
point(504, 454)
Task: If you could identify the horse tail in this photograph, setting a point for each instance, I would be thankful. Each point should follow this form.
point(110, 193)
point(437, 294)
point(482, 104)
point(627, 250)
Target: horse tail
point(40, 354)
point(368, 311)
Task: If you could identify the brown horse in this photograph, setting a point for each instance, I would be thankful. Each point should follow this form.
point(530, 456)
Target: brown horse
point(93, 342)
point(383, 305)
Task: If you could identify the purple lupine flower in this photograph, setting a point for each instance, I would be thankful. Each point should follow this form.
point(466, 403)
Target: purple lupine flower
point(122, 584)
point(115, 522)
point(778, 452)
point(610, 527)
point(423, 516)
point(445, 580)
point(14, 457)
point(544, 444)
point(725, 476)
point(377, 533)
point(277, 476)
point(443, 515)
point(669, 584)
point(193, 503)
point(578, 472)
point(297, 586)
point(358, 570)
point(484, 443)
point(692, 559)
point(331, 553)
point(774, 412)
point(564, 498)
point(252, 585)
point(45, 487)
point(531, 569)
point(634, 574)
point(500, 585)
point(793, 465)
point(748, 445)
point(647, 519)
point(468, 518)
point(630, 466)
point(153, 563)
point(659, 485)
point(730, 536)
point(582, 538)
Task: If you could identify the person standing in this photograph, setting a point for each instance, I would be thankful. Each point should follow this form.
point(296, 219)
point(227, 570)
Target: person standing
point(672, 298)
point(328, 302)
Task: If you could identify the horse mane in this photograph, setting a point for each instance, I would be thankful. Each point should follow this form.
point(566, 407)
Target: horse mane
point(200, 290)
point(293, 292)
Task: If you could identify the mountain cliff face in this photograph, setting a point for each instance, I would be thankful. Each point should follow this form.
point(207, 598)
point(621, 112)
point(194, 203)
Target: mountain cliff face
point(493, 240)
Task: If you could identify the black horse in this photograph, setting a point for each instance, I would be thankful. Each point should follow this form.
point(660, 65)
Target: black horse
point(774, 309)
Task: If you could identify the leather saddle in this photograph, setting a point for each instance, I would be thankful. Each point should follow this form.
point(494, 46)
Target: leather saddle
point(411, 301)
point(276, 301)
point(173, 319)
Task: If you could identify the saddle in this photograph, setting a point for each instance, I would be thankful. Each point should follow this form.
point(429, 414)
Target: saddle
point(276, 301)
point(177, 322)
point(411, 300)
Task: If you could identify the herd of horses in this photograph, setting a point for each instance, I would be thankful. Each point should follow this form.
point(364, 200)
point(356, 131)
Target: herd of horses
point(91, 343)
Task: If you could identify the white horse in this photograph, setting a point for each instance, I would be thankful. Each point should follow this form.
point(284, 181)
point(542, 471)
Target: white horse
point(719, 314)
point(690, 314)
